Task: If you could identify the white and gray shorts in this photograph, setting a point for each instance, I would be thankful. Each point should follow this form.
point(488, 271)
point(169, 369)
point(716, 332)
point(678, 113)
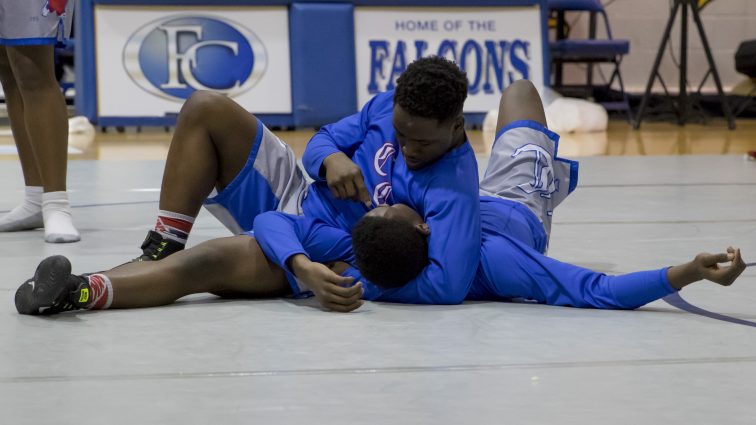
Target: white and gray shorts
point(34, 22)
point(524, 167)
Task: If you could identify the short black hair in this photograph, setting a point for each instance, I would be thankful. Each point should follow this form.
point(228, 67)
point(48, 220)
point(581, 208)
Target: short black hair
point(432, 87)
point(388, 253)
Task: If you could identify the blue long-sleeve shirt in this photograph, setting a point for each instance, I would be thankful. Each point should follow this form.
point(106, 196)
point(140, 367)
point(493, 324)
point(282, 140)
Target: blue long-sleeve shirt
point(511, 264)
point(444, 193)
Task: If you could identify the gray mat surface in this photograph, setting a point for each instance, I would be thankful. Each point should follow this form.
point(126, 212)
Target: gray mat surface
point(209, 361)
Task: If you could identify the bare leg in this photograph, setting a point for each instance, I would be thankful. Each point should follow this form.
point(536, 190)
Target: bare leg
point(46, 123)
point(233, 266)
point(520, 101)
point(213, 138)
point(44, 113)
point(15, 105)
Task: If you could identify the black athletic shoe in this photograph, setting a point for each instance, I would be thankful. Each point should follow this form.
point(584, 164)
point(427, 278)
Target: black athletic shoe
point(49, 291)
point(155, 247)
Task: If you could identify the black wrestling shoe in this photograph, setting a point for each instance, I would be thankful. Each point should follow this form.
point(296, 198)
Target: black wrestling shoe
point(155, 247)
point(48, 292)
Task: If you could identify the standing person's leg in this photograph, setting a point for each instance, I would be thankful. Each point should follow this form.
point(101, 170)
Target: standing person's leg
point(44, 111)
point(234, 266)
point(219, 146)
point(46, 124)
point(28, 215)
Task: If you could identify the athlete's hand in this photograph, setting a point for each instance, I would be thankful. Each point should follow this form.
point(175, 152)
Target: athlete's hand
point(327, 286)
point(345, 179)
point(709, 268)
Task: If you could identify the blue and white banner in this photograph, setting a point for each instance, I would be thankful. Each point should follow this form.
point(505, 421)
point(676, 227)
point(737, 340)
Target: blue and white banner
point(495, 46)
point(150, 60)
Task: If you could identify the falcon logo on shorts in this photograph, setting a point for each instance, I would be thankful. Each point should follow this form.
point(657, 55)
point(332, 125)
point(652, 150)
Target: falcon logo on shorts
point(175, 56)
point(385, 155)
point(382, 193)
point(543, 173)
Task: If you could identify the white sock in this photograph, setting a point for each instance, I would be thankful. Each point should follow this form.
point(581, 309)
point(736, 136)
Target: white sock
point(26, 216)
point(56, 212)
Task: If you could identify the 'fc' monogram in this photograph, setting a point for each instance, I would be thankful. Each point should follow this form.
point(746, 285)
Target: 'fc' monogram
point(187, 61)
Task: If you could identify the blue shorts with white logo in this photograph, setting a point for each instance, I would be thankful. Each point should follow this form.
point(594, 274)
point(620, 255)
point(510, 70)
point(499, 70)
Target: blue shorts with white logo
point(271, 180)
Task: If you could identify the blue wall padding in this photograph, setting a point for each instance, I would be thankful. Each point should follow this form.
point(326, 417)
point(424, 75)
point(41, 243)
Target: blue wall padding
point(323, 76)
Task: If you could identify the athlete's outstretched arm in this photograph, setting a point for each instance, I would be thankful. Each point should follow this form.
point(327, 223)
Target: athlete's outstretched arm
point(514, 270)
